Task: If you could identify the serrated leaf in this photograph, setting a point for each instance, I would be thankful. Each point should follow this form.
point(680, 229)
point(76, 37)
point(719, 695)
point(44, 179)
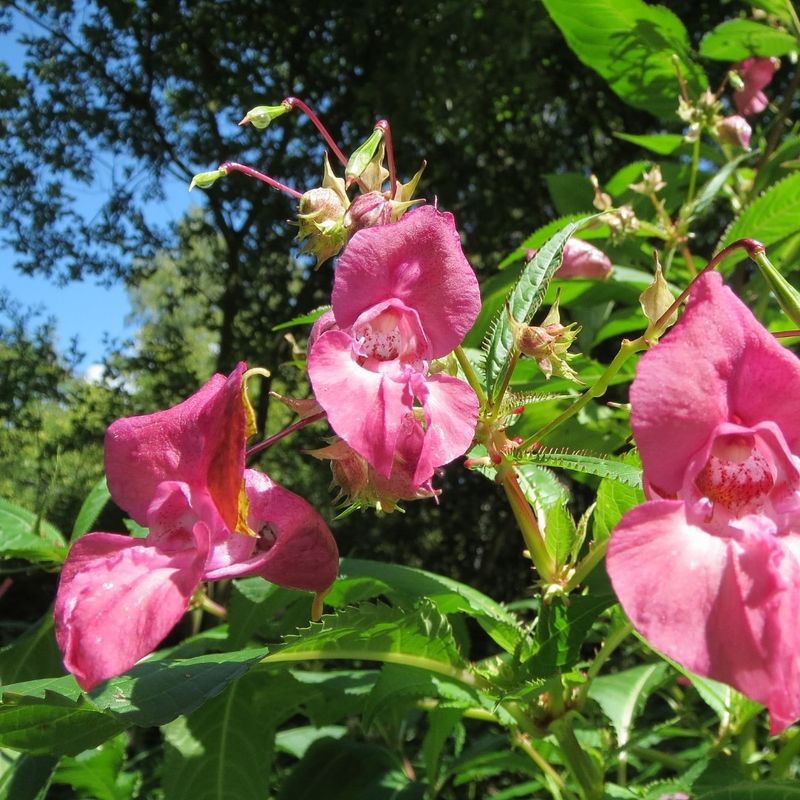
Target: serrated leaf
point(591, 464)
point(560, 533)
point(442, 722)
point(24, 535)
point(303, 319)
point(613, 500)
point(769, 219)
point(224, 749)
point(97, 773)
point(622, 695)
point(523, 302)
point(631, 44)
point(449, 596)
point(421, 638)
point(763, 790)
point(737, 39)
point(662, 143)
point(94, 503)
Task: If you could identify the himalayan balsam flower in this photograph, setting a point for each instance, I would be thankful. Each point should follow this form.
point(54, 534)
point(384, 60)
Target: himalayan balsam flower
point(580, 260)
point(181, 473)
point(756, 73)
point(403, 294)
point(708, 570)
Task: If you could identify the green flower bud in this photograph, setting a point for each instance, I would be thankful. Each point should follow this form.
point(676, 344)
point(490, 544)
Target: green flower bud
point(205, 180)
point(261, 116)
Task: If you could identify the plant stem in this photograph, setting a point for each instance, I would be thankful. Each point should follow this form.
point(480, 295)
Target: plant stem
point(582, 768)
point(626, 350)
point(693, 173)
point(524, 743)
point(383, 124)
point(470, 374)
point(587, 564)
point(787, 754)
point(232, 166)
point(276, 437)
point(294, 102)
point(614, 639)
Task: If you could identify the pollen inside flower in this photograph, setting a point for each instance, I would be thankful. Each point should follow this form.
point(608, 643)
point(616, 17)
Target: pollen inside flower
point(389, 333)
point(381, 338)
point(737, 475)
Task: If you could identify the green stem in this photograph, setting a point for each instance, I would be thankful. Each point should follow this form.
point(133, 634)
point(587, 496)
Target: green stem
point(612, 642)
point(505, 382)
point(527, 522)
point(787, 754)
point(693, 172)
point(587, 564)
point(524, 744)
point(626, 350)
point(578, 763)
point(470, 374)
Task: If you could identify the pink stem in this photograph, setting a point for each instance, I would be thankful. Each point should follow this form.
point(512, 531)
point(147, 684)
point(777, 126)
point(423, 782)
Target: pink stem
point(785, 334)
point(232, 166)
point(276, 437)
point(295, 103)
point(751, 245)
point(383, 125)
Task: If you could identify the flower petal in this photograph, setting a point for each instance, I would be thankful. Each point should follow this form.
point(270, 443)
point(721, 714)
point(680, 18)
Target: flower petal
point(303, 554)
point(117, 599)
point(365, 408)
point(726, 608)
point(718, 364)
point(200, 442)
point(417, 260)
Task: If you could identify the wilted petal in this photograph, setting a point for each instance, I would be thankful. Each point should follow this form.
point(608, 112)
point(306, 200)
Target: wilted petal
point(295, 547)
point(418, 261)
point(118, 597)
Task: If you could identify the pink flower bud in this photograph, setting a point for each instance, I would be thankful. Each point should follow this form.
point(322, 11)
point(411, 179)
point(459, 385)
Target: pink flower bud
point(583, 260)
point(368, 210)
point(735, 131)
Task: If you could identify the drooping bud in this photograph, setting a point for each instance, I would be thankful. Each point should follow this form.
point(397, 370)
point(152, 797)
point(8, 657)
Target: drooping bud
point(205, 180)
point(261, 116)
point(321, 218)
point(583, 260)
point(735, 131)
point(372, 208)
point(548, 344)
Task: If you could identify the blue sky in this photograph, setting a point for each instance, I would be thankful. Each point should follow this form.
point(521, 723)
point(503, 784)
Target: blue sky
point(84, 309)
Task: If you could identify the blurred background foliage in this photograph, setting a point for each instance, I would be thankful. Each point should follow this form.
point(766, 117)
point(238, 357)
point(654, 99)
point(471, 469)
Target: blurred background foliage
point(488, 93)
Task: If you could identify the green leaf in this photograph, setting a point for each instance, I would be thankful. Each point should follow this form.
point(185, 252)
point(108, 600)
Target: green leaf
point(571, 192)
point(613, 500)
point(631, 44)
point(94, 503)
point(737, 39)
point(54, 725)
point(711, 189)
point(561, 631)
point(224, 750)
point(97, 773)
point(303, 319)
point(296, 741)
point(421, 638)
point(449, 596)
point(622, 695)
point(342, 770)
point(33, 655)
point(442, 722)
point(782, 9)
point(769, 219)
point(763, 790)
point(24, 535)
point(524, 300)
point(590, 464)
point(560, 534)
point(27, 777)
point(662, 143)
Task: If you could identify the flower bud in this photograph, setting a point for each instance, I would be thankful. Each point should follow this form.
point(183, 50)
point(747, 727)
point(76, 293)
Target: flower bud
point(363, 156)
point(321, 217)
point(583, 260)
point(652, 182)
point(261, 116)
point(205, 180)
point(372, 208)
point(735, 131)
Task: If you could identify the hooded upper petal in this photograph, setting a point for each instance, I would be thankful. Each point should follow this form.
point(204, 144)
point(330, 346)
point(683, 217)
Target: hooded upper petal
point(118, 597)
point(200, 442)
point(717, 365)
point(418, 261)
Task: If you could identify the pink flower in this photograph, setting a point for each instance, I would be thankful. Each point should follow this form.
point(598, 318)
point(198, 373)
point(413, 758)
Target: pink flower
point(181, 473)
point(756, 73)
point(735, 131)
point(708, 569)
point(403, 294)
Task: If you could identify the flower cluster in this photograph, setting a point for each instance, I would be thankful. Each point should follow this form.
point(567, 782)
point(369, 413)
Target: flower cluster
point(716, 416)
